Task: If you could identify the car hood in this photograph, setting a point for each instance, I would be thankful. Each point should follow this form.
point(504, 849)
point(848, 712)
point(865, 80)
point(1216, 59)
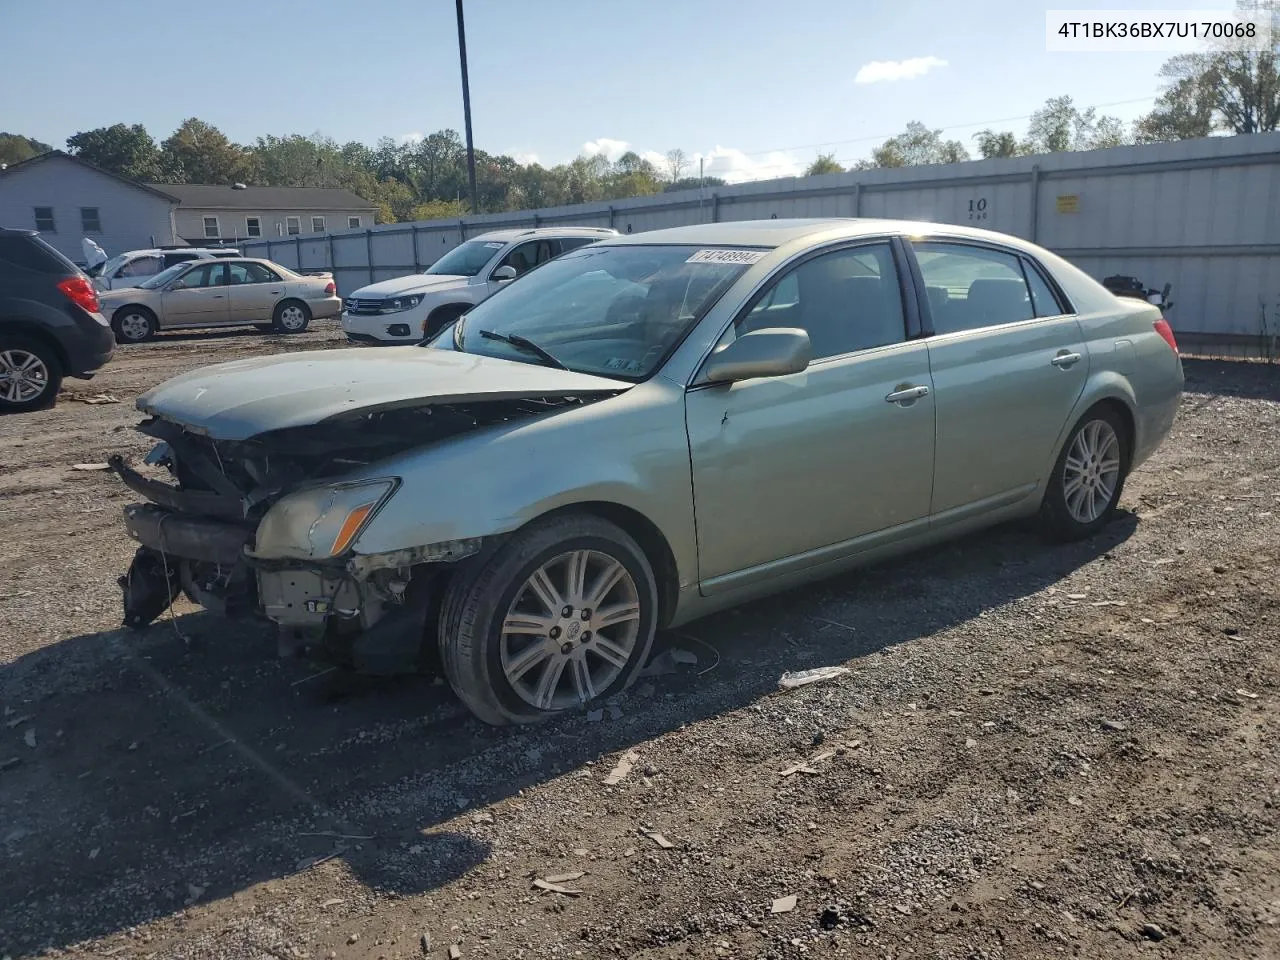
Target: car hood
point(244, 398)
point(414, 283)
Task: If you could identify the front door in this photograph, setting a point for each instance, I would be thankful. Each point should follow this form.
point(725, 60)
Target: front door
point(792, 471)
point(254, 291)
point(197, 298)
point(1008, 367)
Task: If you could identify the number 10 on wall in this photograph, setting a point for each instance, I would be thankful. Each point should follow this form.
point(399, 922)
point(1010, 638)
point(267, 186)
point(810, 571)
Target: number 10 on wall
point(978, 209)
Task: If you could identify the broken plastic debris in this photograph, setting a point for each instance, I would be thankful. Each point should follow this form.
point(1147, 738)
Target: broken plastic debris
point(784, 904)
point(668, 661)
point(91, 466)
point(804, 765)
point(552, 887)
point(624, 767)
point(802, 678)
point(659, 839)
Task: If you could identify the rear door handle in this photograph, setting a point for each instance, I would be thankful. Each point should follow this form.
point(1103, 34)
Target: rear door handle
point(1064, 360)
point(216, 296)
point(907, 394)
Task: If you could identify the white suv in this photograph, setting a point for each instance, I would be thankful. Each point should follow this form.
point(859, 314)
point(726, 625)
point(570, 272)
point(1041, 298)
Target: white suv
point(410, 309)
point(130, 268)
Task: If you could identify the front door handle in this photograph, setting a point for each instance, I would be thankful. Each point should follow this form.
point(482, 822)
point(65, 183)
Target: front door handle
point(905, 395)
point(216, 296)
point(1065, 359)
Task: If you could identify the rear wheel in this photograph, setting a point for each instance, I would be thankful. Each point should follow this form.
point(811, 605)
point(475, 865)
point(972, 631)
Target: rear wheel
point(562, 614)
point(1089, 476)
point(133, 324)
point(291, 316)
point(30, 374)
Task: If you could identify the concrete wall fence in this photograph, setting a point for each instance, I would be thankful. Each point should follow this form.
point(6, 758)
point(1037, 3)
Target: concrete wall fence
point(1203, 215)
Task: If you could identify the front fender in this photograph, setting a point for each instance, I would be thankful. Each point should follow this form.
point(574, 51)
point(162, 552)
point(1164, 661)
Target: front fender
point(630, 450)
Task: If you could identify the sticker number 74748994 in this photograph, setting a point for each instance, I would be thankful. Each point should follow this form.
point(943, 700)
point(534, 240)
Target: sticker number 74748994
point(727, 256)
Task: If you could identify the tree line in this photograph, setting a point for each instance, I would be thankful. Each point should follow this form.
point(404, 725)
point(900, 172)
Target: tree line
point(1203, 94)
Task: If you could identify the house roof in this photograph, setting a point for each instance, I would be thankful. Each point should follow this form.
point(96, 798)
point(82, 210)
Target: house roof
point(52, 154)
point(220, 197)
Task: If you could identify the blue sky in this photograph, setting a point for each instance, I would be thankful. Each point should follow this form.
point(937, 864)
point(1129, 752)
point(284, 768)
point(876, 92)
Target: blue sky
point(758, 87)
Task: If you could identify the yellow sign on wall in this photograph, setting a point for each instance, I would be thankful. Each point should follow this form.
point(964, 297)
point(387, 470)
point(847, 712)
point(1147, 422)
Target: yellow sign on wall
point(1068, 203)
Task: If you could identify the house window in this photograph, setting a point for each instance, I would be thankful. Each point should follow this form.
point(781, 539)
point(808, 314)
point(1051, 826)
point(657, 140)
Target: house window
point(90, 222)
point(211, 231)
point(353, 223)
point(253, 226)
point(317, 224)
point(44, 220)
point(293, 226)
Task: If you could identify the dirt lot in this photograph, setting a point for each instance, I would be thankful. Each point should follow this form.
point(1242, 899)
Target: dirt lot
point(1040, 751)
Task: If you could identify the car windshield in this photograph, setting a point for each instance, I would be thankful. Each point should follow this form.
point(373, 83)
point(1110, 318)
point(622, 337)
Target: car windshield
point(466, 260)
point(164, 276)
point(110, 267)
point(616, 311)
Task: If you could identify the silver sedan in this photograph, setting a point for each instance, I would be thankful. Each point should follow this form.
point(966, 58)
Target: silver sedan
point(639, 433)
point(220, 293)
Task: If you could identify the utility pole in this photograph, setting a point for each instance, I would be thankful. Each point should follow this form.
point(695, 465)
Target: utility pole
point(466, 111)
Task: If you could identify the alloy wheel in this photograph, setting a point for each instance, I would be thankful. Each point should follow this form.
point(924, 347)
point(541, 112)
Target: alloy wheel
point(1091, 471)
point(135, 326)
point(23, 376)
point(292, 318)
point(571, 630)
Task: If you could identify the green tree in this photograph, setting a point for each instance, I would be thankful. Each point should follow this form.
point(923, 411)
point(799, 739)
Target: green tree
point(1235, 91)
point(825, 163)
point(1060, 125)
point(198, 152)
point(126, 150)
point(14, 148)
point(693, 183)
point(916, 146)
point(1001, 144)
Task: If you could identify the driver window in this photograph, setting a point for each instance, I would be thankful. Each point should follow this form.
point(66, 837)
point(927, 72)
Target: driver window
point(209, 275)
point(523, 257)
point(846, 300)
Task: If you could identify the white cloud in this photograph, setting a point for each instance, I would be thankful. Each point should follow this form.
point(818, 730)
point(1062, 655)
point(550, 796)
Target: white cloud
point(610, 148)
point(524, 157)
point(408, 139)
point(734, 166)
point(659, 160)
point(878, 71)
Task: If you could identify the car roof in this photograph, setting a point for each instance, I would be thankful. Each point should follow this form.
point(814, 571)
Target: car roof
point(533, 233)
point(16, 232)
point(776, 233)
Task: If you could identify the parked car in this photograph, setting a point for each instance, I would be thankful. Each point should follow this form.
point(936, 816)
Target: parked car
point(639, 433)
point(407, 309)
point(132, 267)
point(218, 293)
point(50, 323)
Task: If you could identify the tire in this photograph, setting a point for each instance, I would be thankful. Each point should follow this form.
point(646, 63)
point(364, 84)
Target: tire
point(30, 374)
point(502, 676)
point(1074, 508)
point(291, 316)
point(441, 317)
point(134, 324)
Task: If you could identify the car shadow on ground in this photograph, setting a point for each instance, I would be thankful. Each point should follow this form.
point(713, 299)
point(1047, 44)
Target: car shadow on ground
point(188, 763)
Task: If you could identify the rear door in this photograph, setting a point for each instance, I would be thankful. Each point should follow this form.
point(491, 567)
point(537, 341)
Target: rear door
point(792, 471)
point(1008, 360)
point(254, 291)
point(197, 298)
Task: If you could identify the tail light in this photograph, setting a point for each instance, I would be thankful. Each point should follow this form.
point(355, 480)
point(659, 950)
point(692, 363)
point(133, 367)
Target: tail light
point(330, 289)
point(1166, 331)
point(81, 292)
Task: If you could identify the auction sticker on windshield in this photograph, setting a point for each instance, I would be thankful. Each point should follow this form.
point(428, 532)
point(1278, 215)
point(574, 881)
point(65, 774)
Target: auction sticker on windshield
point(727, 256)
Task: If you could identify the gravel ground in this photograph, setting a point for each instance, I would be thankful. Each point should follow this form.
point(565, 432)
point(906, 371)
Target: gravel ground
point(1038, 751)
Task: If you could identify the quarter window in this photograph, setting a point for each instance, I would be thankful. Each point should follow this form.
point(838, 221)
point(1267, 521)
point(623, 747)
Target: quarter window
point(293, 226)
point(44, 220)
point(90, 222)
point(846, 300)
point(211, 228)
point(971, 287)
point(1043, 298)
point(253, 226)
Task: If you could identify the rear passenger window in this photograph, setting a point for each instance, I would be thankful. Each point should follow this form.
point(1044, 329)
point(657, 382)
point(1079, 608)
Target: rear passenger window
point(846, 300)
point(971, 287)
point(1042, 297)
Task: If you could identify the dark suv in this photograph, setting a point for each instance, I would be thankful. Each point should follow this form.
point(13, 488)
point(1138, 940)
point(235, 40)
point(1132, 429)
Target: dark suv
point(50, 323)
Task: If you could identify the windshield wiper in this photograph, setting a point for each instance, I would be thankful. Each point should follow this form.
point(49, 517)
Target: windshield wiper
point(524, 343)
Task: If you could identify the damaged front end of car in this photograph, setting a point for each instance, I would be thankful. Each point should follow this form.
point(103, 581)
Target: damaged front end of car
point(268, 526)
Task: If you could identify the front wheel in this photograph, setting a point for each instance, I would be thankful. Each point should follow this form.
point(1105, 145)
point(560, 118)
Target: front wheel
point(133, 325)
point(1088, 478)
point(30, 375)
point(291, 316)
point(562, 614)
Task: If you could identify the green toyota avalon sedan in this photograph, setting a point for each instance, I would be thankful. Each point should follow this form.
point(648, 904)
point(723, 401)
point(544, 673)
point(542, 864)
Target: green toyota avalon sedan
point(636, 434)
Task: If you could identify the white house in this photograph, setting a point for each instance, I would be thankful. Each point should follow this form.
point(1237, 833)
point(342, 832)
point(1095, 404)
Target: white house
point(208, 212)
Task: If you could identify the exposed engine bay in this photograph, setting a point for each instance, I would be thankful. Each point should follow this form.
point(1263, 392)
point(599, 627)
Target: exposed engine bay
point(199, 530)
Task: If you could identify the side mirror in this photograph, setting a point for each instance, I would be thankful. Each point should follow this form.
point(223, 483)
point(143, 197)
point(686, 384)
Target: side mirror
point(772, 352)
point(503, 273)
